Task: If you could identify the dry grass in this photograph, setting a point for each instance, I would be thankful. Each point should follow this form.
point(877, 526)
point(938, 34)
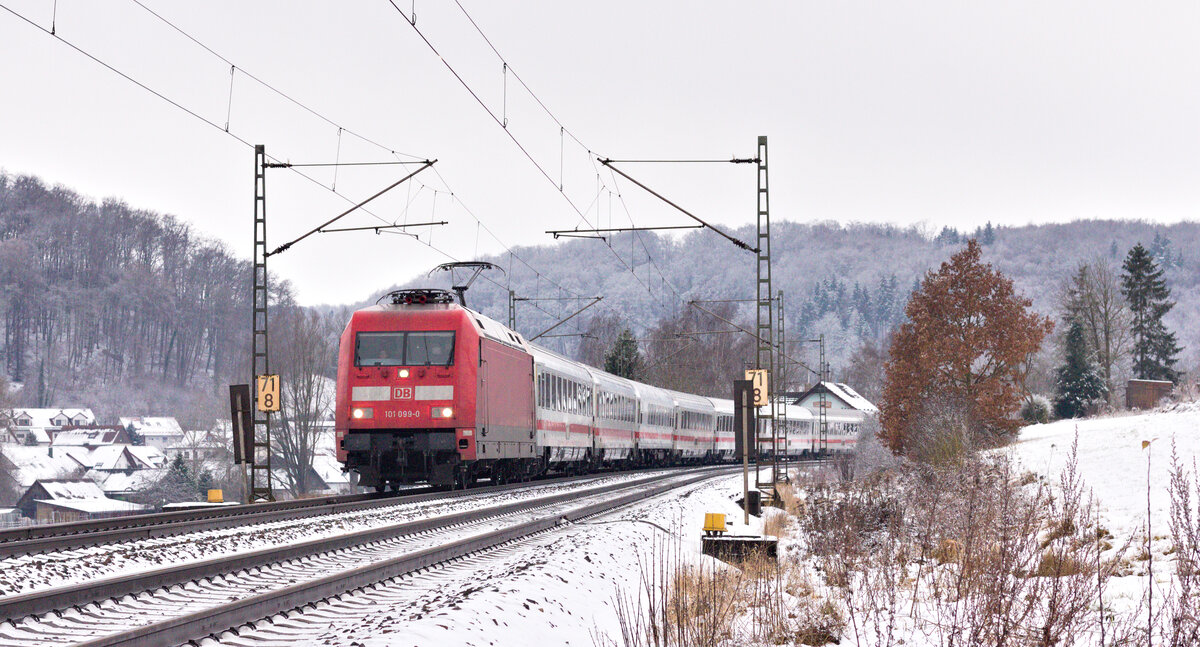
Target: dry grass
point(790, 498)
point(968, 546)
point(775, 523)
point(757, 601)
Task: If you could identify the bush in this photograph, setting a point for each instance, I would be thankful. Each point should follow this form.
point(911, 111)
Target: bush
point(1036, 409)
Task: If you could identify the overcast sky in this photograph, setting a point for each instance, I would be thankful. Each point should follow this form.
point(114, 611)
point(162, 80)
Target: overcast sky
point(936, 112)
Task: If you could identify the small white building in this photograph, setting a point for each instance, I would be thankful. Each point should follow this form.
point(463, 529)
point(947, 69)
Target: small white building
point(838, 398)
point(156, 431)
point(198, 446)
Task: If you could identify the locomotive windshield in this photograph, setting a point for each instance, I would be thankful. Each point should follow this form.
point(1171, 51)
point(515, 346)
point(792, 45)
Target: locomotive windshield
point(429, 349)
point(404, 348)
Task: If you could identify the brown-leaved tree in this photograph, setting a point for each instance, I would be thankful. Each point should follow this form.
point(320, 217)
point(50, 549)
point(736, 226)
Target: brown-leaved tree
point(955, 368)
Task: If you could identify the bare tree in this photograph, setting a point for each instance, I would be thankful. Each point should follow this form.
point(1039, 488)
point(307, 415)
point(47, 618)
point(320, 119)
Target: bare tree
point(697, 353)
point(599, 336)
point(1092, 296)
point(303, 358)
point(864, 371)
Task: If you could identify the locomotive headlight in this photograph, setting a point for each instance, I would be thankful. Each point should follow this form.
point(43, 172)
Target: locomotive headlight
point(402, 373)
point(361, 413)
point(443, 412)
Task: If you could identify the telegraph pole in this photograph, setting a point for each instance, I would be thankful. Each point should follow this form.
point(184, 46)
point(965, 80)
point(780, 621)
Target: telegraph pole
point(764, 358)
point(781, 419)
point(260, 471)
point(267, 388)
point(822, 401)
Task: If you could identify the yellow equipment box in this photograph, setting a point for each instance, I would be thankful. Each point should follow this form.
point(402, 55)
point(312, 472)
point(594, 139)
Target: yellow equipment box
point(714, 523)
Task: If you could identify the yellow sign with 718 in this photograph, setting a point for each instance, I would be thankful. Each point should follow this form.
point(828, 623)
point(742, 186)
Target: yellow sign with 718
point(758, 378)
point(268, 393)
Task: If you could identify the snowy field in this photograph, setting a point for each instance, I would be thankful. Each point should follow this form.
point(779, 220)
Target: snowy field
point(1112, 462)
point(1124, 478)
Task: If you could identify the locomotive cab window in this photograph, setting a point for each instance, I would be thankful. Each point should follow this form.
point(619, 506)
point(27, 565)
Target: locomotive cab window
point(429, 349)
point(379, 349)
point(404, 348)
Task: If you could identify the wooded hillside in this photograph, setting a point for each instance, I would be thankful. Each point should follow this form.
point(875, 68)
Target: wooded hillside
point(848, 282)
point(120, 309)
point(106, 305)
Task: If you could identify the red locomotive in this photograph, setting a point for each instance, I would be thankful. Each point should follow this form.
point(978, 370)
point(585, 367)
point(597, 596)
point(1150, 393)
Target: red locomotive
point(430, 391)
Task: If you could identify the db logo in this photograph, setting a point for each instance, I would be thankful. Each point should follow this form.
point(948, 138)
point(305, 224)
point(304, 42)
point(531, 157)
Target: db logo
point(403, 393)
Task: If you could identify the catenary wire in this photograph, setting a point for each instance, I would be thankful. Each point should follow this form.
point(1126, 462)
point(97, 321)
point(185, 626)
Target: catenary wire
point(246, 143)
point(508, 68)
point(501, 122)
point(341, 128)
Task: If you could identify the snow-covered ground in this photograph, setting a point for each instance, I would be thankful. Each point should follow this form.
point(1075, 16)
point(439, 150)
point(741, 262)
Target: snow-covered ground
point(554, 589)
point(26, 573)
point(560, 588)
point(1113, 463)
point(1124, 478)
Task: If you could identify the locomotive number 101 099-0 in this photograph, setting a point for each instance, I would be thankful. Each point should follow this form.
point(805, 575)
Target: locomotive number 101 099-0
point(401, 414)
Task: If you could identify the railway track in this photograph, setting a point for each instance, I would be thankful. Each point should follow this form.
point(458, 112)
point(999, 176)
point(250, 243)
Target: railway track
point(176, 604)
point(63, 536)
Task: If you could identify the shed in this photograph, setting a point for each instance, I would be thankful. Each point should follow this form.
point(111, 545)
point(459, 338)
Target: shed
point(64, 511)
point(1146, 394)
point(61, 500)
point(11, 517)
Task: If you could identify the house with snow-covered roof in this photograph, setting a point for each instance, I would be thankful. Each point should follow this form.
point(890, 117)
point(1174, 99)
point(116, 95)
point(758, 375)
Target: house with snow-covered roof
point(115, 458)
point(156, 431)
point(198, 446)
point(39, 426)
point(90, 437)
point(834, 397)
point(119, 485)
point(30, 464)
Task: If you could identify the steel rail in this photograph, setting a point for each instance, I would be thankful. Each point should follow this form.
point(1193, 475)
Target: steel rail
point(40, 539)
point(93, 591)
point(138, 520)
point(199, 625)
